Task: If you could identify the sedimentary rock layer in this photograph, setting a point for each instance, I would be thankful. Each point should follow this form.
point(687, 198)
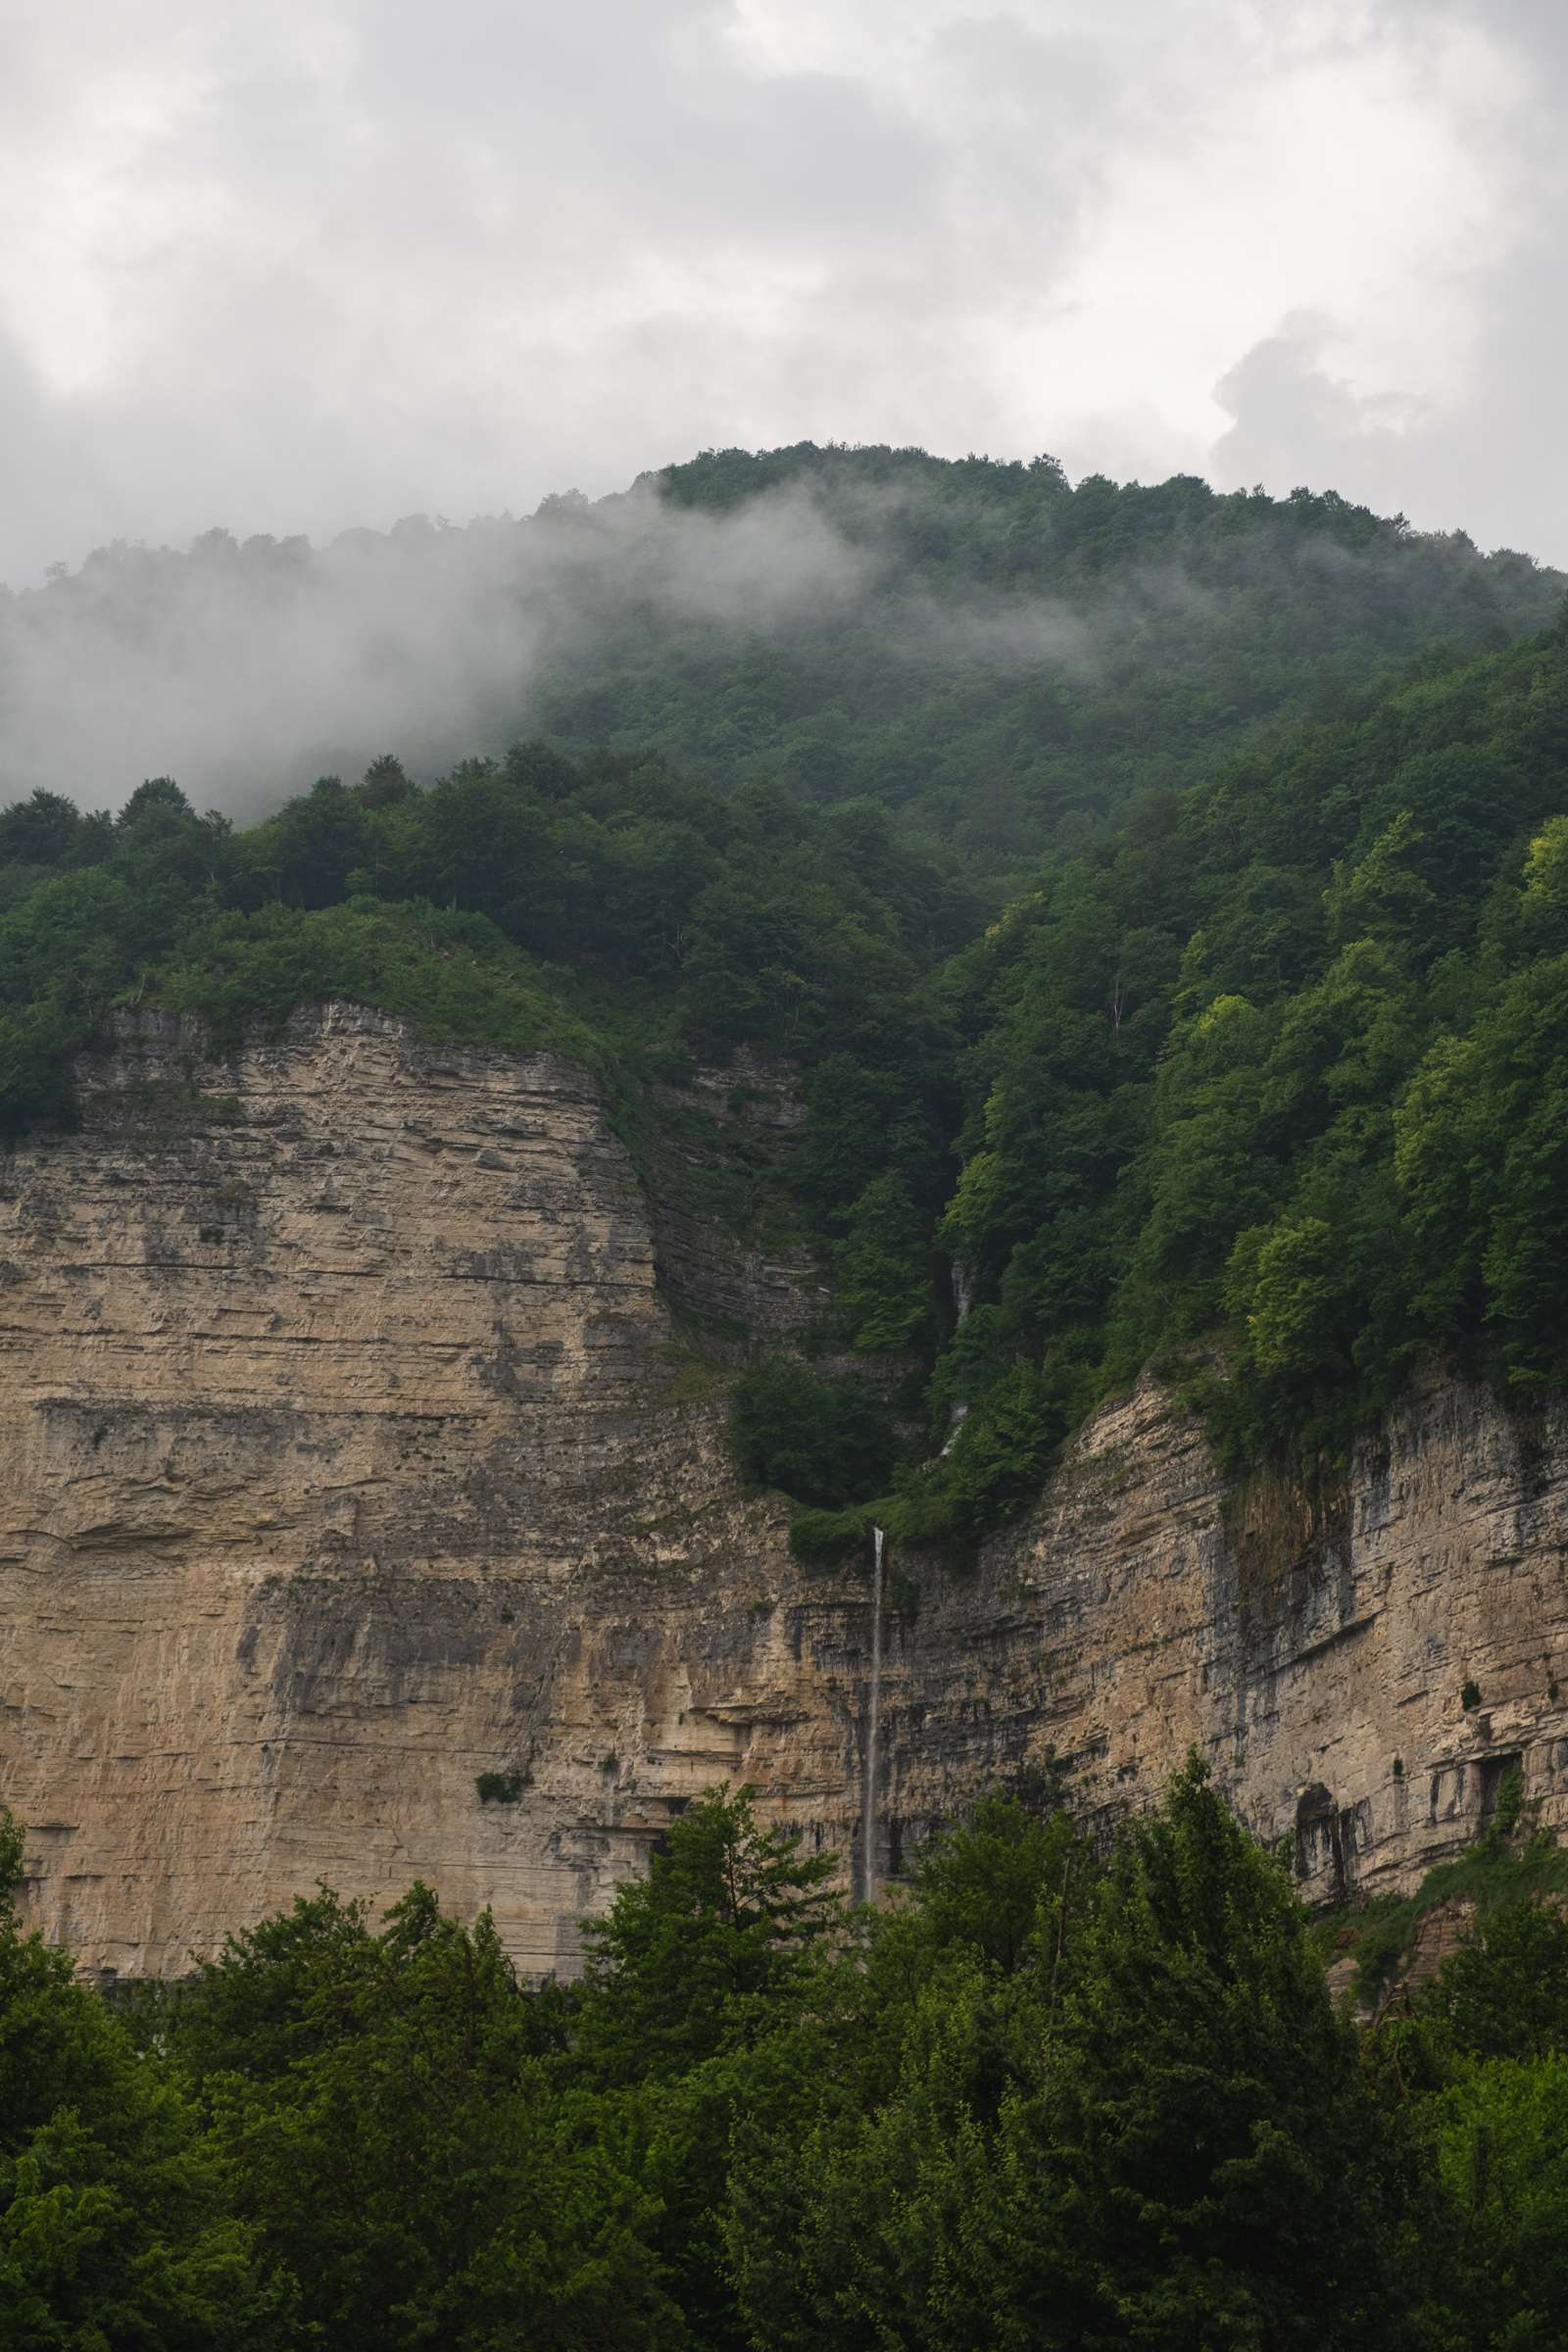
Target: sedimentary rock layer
point(352, 1452)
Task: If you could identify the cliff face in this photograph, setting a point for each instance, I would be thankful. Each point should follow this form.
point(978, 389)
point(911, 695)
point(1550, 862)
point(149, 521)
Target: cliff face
point(351, 1453)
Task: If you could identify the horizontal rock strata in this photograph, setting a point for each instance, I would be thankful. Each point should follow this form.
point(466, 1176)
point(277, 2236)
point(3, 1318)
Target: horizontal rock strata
point(351, 1453)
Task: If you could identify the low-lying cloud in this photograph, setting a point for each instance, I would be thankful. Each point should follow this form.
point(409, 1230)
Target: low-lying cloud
point(247, 668)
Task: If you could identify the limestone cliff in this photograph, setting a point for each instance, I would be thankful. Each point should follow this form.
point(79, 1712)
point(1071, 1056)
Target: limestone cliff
point(353, 1452)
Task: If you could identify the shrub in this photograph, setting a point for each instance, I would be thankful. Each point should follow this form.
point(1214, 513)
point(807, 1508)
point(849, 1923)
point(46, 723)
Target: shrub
point(828, 1539)
point(824, 1441)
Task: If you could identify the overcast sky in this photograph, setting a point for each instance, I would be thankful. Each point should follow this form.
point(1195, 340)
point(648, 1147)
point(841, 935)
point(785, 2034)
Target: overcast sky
point(316, 263)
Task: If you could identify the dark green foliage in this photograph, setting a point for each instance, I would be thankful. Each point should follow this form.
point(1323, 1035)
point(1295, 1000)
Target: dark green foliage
point(1265, 1087)
point(686, 1955)
point(828, 1539)
point(1205, 1006)
point(1476, 2071)
point(1215, 2153)
point(116, 2228)
point(1114, 2108)
point(691, 1971)
point(1505, 1993)
point(382, 2110)
point(824, 1441)
point(1046, 2101)
point(1021, 654)
point(501, 1788)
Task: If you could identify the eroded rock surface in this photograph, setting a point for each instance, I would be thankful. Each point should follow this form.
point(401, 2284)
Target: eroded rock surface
point(352, 1452)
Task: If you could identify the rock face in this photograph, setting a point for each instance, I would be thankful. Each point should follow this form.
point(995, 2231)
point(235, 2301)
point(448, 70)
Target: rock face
point(353, 1453)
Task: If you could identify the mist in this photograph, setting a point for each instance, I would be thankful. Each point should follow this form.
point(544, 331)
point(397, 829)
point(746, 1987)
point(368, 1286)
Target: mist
point(245, 669)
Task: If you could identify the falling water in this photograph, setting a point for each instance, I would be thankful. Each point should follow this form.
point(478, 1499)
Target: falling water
point(873, 1711)
point(962, 1282)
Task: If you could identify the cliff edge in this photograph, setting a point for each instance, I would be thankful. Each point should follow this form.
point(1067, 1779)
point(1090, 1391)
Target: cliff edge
point(354, 1454)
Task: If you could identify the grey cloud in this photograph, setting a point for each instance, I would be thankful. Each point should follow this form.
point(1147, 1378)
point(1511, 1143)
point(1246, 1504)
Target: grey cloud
point(1484, 450)
point(390, 255)
point(1489, 458)
point(1289, 413)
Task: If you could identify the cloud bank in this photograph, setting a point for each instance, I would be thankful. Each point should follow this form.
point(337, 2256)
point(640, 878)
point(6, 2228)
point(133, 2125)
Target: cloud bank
point(299, 269)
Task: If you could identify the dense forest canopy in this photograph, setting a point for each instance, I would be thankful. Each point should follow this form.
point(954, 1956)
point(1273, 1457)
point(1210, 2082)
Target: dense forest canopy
point(1160, 898)
point(1054, 2100)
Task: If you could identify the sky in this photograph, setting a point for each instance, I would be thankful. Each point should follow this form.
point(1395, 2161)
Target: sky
point(322, 263)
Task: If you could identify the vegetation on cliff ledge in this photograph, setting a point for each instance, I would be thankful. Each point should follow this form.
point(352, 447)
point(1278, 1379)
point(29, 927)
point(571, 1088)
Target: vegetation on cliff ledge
point(1191, 974)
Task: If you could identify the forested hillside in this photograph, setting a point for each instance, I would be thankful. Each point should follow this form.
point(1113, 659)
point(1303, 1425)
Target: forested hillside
point(1000, 656)
point(1003, 656)
point(1161, 900)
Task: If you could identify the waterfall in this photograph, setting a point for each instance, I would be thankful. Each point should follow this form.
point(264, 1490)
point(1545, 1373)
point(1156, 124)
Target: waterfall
point(963, 1285)
point(873, 1712)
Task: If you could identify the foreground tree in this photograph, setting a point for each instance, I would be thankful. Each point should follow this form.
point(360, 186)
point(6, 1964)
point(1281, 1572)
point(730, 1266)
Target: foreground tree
point(1146, 2126)
point(114, 2232)
point(1198, 2163)
point(698, 1980)
point(392, 2134)
point(687, 1959)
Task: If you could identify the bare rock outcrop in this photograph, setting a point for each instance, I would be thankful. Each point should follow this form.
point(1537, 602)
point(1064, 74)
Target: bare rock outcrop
point(352, 1452)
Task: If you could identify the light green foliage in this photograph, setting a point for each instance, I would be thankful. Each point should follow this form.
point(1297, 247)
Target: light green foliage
point(1494, 2141)
point(1291, 1286)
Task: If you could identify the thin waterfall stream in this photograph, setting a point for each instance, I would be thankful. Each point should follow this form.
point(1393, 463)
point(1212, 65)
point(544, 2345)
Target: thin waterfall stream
point(872, 1725)
point(961, 1282)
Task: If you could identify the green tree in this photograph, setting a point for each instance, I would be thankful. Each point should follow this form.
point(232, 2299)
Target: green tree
point(694, 1975)
point(681, 1961)
point(825, 1442)
point(115, 2233)
point(1494, 2267)
point(391, 2134)
point(1505, 1992)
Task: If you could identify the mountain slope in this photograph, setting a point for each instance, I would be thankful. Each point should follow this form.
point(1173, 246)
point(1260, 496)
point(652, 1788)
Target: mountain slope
point(1258, 1081)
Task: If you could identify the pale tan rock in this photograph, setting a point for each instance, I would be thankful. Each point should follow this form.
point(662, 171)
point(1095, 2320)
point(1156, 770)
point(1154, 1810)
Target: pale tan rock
point(346, 1458)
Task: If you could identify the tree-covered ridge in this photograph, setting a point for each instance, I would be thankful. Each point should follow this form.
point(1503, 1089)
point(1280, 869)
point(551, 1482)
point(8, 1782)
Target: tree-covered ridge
point(994, 652)
point(1053, 2098)
point(1014, 653)
point(1282, 1069)
point(1257, 1080)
